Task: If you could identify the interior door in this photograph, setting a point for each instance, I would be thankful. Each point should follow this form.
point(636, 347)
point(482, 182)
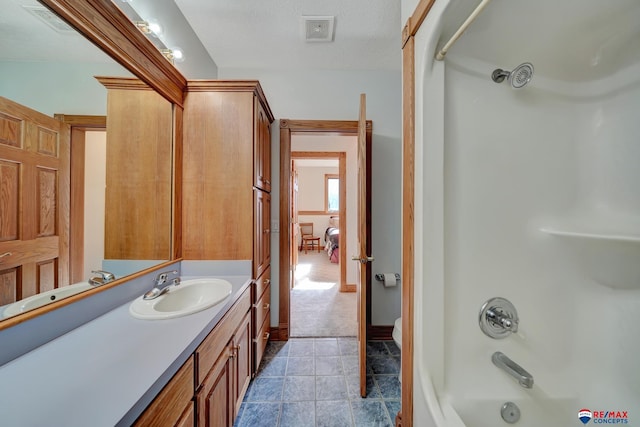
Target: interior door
point(34, 202)
point(294, 221)
point(362, 258)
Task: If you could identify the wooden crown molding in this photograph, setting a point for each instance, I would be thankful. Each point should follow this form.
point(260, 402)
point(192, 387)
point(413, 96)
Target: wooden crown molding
point(232, 86)
point(106, 26)
point(123, 83)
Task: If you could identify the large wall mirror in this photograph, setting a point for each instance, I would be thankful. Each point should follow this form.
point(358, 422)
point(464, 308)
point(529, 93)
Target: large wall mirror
point(48, 68)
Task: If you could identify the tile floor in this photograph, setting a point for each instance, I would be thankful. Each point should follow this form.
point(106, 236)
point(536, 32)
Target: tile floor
point(315, 382)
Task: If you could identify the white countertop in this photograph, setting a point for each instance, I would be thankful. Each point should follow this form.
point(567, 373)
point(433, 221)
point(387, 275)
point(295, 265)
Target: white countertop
point(95, 374)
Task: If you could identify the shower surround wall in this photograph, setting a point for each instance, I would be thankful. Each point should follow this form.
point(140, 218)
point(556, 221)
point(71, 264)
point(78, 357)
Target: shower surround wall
point(515, 162)
point(536, 191)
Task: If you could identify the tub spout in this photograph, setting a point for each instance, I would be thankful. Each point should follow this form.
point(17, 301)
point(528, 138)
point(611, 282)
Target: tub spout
point(524, 378)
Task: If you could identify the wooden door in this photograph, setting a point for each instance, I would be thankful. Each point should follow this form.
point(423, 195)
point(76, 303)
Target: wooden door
point(215, 398)
point(295, 230)
point(242, 354)
point(34, 202)
point(362, 258)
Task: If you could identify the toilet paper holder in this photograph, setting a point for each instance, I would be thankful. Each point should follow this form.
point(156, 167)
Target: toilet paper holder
point(380, 277)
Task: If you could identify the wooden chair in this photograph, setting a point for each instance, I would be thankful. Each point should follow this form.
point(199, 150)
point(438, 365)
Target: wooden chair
point(308, 239)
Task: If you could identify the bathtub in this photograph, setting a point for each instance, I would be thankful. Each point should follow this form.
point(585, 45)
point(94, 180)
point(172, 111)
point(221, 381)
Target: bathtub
point(529, 195)
point(476, 409)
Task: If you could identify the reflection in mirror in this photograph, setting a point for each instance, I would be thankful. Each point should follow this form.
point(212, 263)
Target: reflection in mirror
point(46, 68)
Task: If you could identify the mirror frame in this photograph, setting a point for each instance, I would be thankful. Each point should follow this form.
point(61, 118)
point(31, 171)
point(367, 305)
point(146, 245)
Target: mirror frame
point(107, 27)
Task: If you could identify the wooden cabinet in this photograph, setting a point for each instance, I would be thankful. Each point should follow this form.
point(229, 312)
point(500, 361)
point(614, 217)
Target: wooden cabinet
point(209, 388)
point(225, 366)
point(262, 232)
point(174, 405)
point(227, 182)
point(226, 145)
point(215, 402)
point(262, 150)
point(138, 174)
point(261, 313)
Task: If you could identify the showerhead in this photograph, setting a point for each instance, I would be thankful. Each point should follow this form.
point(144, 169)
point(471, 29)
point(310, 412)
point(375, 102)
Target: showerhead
point(518, 78)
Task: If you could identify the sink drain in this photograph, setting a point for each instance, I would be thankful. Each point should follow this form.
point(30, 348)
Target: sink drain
point(510, 412)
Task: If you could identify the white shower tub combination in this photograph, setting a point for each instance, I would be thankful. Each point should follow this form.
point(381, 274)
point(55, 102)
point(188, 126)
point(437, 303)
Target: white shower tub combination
point(531, 195)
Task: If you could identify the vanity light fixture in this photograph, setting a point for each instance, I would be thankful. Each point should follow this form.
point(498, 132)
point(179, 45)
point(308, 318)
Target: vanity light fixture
point(151, 27)
point(173, 55)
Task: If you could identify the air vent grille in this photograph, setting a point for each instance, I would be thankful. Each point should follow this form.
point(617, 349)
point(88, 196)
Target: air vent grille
point(317, 28)
point(49, 18)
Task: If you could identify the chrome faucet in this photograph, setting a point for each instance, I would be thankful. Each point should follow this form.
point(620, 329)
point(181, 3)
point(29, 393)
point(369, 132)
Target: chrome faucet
point(524, 378)
point(103, 278)
point(161, 284)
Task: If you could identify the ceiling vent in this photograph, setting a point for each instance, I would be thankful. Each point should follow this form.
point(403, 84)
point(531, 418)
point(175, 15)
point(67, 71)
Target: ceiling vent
point(317, 28)
point(49, 18)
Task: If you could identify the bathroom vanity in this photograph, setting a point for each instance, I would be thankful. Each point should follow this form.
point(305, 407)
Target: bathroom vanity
point(119, 370)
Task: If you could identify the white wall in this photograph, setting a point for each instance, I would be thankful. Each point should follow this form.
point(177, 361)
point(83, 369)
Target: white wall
point(334, 95)
point(311, 187)
point(68, 88)
point(95, 181)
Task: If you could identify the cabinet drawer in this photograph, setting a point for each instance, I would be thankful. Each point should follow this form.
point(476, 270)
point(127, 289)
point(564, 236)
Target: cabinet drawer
point(261, 308)
point(260, 342)
point(262, 283)
point(170, 406)
point(210, 349)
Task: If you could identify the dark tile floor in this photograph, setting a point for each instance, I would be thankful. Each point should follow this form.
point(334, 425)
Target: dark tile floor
point(315, 382)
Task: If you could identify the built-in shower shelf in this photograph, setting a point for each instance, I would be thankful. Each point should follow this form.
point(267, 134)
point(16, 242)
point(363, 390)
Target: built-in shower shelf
point(609, 258)
point(596, 235)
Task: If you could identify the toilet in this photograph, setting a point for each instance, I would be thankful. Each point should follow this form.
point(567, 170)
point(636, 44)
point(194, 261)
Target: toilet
point(397, 337)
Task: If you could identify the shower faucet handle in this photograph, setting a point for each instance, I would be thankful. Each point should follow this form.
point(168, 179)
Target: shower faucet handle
point(498, 318)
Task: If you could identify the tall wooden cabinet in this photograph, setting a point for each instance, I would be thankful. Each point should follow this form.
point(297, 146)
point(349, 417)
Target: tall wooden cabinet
point(227, 185)
point(138, 179)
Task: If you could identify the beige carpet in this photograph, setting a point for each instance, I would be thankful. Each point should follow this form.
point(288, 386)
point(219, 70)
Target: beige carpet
point(318, 308)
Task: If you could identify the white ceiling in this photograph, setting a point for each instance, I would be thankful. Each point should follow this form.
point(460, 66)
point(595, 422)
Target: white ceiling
point(24, 37)
point(570, 40)
point(266, 34)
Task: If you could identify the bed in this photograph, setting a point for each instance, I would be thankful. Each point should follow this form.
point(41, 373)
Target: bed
point(332, 239)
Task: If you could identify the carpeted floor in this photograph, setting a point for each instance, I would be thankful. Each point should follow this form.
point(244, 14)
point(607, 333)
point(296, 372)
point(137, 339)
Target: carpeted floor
point(318, 308)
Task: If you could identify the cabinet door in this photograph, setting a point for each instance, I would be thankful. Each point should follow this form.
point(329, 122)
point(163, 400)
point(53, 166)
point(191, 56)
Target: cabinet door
point(217, 398)
point(262, 149)
point(242, 353)
point(174, 403)
point(262, 233)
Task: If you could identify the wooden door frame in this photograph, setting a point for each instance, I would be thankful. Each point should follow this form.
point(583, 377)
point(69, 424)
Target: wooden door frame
point(79, 124)
point(317, 127)
point(341, 157)
point(405, 416)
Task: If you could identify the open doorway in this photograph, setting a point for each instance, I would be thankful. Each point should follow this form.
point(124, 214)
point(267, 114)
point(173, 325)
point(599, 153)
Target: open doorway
point(322, 303)
point(315, 132)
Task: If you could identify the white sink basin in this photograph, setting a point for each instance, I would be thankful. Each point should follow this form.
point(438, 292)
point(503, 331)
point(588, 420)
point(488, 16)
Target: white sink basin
point(186, 298)
point(44, 298)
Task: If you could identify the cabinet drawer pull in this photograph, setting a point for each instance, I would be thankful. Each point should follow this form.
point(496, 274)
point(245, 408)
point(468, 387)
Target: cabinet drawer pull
point(266, 181)
point(267, 281)
point(266, 306)
point(266, 336)
point(266, 231)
